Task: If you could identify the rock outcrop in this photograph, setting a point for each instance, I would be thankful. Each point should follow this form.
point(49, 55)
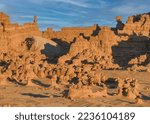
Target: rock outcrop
point(74, 57)
point(12, 34)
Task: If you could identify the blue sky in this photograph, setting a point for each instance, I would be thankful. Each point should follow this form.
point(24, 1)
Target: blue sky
point(67, 13)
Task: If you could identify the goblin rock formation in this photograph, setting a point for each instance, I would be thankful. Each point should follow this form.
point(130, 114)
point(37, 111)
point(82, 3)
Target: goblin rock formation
point(12, 34)
point(138, 24)
point(74, 57)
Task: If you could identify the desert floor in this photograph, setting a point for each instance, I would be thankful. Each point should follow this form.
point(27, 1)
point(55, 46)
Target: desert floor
point(41, 95)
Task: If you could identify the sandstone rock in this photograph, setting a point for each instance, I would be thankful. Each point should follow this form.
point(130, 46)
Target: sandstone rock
point(80, 92)
point(119, 25)
point(74, 57)
point(137, 24)
point(138, 100)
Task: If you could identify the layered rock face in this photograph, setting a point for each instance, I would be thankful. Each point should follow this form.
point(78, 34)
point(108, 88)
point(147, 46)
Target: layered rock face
point(133, 39)
point(138, 24)
point(68, 34)
point(74, 57)
point(12, 33)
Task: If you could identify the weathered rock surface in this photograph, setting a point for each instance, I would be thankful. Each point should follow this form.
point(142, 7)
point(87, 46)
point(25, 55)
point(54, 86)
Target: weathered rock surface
point(74, 57)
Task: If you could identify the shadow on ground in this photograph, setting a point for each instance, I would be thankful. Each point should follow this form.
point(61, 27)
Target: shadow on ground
point(35, 95)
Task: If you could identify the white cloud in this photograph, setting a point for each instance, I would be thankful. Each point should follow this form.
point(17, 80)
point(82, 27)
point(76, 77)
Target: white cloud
point(79, 3)
point(37, 1)
point(40, 17)
point(2, 6)
point(25, 16)
point(56, 22)
point(103, 3)
point(129, 9)
point(64, 13)
point(75, 2)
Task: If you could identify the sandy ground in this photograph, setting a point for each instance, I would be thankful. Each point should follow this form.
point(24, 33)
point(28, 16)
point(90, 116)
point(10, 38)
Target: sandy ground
point(15, 95)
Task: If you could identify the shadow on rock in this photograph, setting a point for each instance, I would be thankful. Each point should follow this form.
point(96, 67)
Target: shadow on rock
point(132, 48)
